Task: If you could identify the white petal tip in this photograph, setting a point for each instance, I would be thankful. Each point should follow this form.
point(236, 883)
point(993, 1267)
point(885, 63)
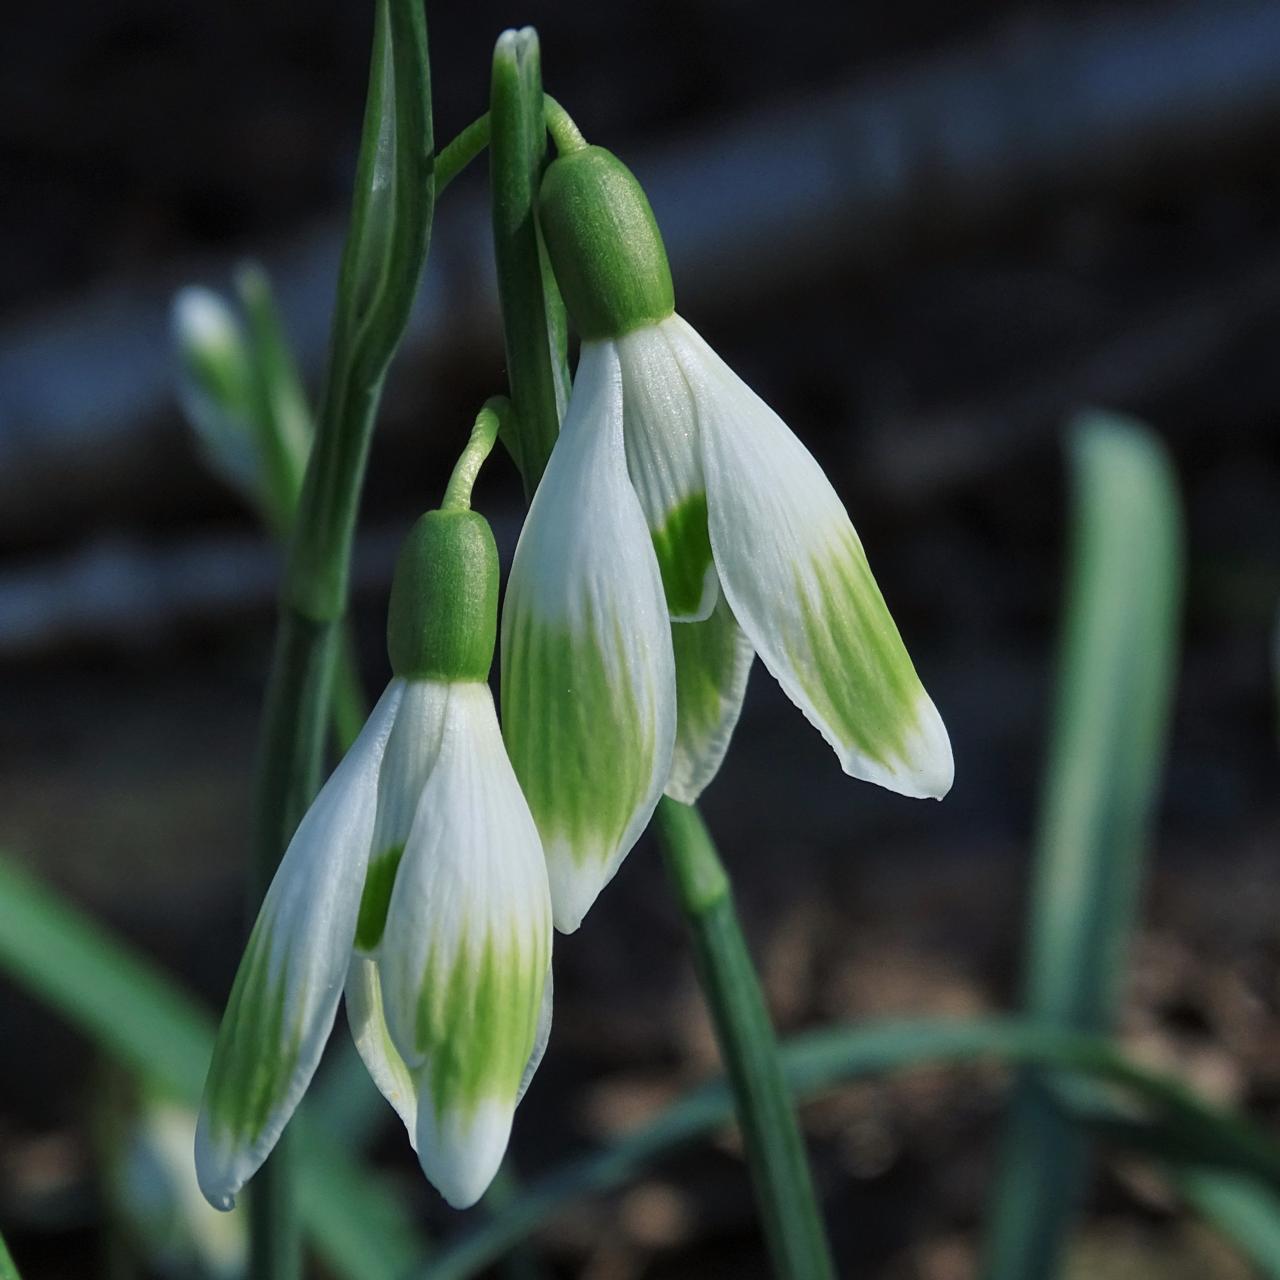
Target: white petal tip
point(573, 891)
point(926, 768)
point(221, 1169)
point(461, 1156)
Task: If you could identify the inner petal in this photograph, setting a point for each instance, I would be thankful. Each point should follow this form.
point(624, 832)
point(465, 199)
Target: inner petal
point(660, 432)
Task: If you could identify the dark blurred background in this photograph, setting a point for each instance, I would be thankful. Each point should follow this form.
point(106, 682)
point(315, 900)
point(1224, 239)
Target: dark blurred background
point(928, 233)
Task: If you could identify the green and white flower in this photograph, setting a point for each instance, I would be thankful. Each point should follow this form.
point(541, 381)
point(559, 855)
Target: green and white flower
point(750, 547)
point(416, 881)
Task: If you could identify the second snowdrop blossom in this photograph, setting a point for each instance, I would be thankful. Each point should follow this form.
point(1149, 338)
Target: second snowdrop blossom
point(680, 527)
point(416, 881)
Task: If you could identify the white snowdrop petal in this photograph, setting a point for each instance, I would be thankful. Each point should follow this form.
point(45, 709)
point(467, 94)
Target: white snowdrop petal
point(713, 661)
point(665, 466)
point(588, 679)
point(467, 947)
point(797, 579)
point(408, 761)
point(286, 991)
point(378, 1052)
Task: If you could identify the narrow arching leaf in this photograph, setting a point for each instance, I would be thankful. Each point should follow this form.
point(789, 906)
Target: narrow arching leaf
point(821, 1060)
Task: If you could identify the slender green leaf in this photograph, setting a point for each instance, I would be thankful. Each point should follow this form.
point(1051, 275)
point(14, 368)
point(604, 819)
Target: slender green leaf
point(1245, 1211)
point(1113, 699)
point(533, 315)
point(8, 1269)
point(139, 1017)
point(819, 1061)
point(775, 1150)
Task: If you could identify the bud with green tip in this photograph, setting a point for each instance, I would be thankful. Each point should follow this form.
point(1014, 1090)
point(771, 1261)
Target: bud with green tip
point(680, 528)
point(215, 385)
point(416, 880)
point(241, 393)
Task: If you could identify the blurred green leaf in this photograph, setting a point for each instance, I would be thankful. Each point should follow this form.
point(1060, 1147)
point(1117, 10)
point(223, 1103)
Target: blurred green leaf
point(138, 1016)
point(8, 1271)
point(216, 388)
point(1242, 1209)
point(282, 417)
point(821, 1060)
point(1113, 697)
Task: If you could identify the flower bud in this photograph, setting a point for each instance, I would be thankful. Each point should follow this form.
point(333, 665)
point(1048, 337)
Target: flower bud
point(605, 247)
point(443, 617)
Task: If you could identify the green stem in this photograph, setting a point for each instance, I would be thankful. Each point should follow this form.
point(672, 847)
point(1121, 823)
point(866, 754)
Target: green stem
point(457, 493)
point(564, 131)
point(533, 316)
point(775, 1152)
point(461, 151)
point(381, 265)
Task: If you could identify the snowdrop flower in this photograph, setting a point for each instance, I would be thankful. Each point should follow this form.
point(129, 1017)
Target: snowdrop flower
point(417, 881)
point(680, 527)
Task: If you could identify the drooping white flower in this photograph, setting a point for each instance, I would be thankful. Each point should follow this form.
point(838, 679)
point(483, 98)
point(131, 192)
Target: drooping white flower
point(416, 882)
point(742, 547)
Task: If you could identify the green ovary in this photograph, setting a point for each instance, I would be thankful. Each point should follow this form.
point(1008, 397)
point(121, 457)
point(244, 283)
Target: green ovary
point(477, 1017)
point(255, 1054)
point(683, 547)
point(580, 745)
point(378, 883)
point(857, 671)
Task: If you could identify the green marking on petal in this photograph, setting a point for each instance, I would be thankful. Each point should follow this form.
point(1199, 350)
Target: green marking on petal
point(581, 748)
point(376, 898)
point(857, 672)
point(477, 1018)
point(255, 1054)
point(712, 660)
point(683, 547)
point(706, 658)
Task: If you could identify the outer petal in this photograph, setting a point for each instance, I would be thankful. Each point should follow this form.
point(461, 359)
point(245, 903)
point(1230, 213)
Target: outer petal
point(588, 678)
point(467, 947)
point(286, 990)
point(381, 1057)
point(663, 459)
point(796, 576)
point(410, 756)
point(713, 661)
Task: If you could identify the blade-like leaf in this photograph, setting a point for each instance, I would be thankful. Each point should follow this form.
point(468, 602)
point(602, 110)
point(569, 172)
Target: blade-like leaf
point(1113, 697)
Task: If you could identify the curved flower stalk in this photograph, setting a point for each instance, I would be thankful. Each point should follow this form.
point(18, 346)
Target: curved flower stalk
point(416, 882)
point(680, 528)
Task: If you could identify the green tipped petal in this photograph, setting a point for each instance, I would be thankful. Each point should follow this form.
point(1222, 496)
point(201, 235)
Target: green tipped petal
point(588, 677)
point(286, 991)
point(713, 661)
point(381, 1058)
point(795, 574)
point(467, 946)
point(409, 758)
